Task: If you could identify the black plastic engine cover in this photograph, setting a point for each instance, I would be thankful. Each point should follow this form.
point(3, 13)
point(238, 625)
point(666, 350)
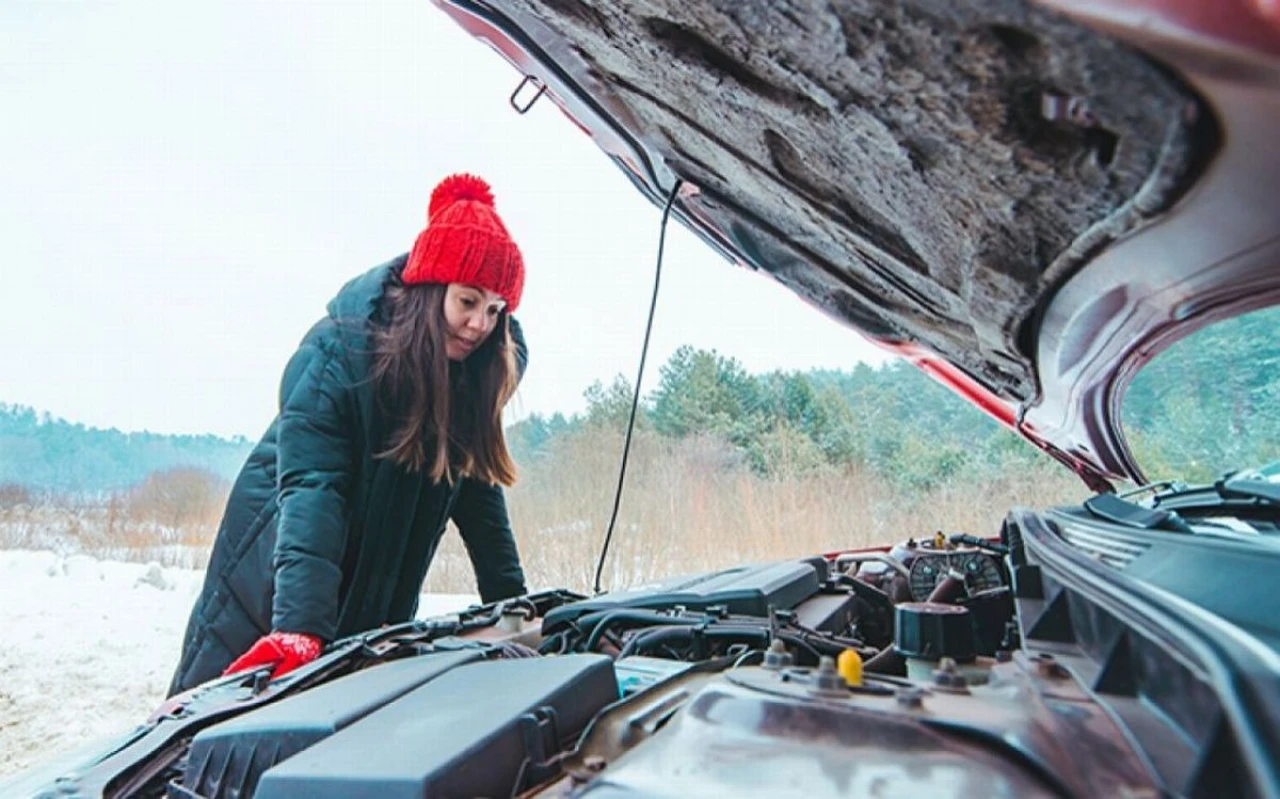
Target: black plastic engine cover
point(229, 758)
point(483, 729)
point(743, 590)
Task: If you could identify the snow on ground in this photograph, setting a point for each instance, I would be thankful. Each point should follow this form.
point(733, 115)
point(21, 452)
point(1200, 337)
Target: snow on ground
point(87, 648)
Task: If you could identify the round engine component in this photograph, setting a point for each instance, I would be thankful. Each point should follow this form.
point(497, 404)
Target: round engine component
point(978, 570)
point(931, 630)
point(926, 573)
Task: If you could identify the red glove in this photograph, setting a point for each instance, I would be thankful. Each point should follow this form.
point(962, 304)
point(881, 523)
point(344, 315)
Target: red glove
point(285, 651)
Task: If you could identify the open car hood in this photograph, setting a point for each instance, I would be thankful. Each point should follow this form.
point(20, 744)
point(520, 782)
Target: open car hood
point(1026, 200)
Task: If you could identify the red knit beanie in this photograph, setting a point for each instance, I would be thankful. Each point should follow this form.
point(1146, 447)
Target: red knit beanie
point(465, 242)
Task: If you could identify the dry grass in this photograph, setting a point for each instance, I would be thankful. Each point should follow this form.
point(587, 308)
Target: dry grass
point(688, 506)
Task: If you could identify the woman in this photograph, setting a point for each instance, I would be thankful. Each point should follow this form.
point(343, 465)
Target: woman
point(389, 425)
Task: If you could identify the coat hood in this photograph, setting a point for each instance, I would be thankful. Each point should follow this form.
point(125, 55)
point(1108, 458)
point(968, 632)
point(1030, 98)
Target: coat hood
point(360, 296)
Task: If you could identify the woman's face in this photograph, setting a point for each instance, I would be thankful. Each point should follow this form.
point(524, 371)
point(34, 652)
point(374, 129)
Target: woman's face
point(470, 315)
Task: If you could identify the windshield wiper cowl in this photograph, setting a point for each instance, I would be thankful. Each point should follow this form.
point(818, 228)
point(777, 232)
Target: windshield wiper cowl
point(1111, 508)
point(1248, 488)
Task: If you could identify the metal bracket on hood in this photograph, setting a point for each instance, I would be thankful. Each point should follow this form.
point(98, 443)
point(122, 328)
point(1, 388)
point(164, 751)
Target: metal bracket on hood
point(528, 80)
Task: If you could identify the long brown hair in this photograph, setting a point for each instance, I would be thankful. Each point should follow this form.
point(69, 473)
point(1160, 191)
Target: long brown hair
point(448, 420)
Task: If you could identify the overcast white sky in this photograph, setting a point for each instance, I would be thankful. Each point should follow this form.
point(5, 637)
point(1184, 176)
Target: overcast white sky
point(183, 187)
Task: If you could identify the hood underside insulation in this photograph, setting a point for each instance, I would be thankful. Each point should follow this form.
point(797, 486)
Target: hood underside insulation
point(927, 170)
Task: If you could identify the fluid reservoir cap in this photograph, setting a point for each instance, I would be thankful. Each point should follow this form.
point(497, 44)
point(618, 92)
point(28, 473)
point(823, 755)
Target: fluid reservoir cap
point(932, 630)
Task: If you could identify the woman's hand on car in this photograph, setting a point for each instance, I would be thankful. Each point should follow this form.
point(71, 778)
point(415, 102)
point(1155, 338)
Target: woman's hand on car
point(285, 651)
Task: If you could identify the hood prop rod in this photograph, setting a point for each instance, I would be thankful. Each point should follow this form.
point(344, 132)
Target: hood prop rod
point(635, 398)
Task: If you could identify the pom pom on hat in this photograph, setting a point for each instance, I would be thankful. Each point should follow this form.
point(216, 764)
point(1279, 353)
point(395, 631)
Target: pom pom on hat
point(457, 188)
point(465, 242)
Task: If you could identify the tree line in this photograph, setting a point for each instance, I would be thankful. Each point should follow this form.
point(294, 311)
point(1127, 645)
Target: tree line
point(1206, 405)
point(40, 451)
point(1209, 404)
point(891, 419)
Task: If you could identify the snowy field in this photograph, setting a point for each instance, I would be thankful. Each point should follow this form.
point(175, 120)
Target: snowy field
point(87, 648)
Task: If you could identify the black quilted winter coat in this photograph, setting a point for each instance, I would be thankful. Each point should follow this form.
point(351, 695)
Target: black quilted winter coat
point(319, 536)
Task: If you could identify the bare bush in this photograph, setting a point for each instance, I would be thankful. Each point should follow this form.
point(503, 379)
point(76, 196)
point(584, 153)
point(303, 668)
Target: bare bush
point(17, 527)
point(14, 494)
point(170, 518)
point(183, 503)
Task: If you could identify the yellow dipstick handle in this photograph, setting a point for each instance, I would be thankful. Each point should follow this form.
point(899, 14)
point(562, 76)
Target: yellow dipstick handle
point(849, 664)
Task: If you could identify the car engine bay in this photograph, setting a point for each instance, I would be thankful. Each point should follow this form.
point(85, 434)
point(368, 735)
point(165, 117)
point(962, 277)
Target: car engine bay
point(947, 663)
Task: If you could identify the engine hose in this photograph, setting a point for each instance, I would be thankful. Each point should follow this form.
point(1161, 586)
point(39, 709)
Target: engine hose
point(887, 661)
point(809, 632)
point(947, 591)
point(688, 634)
point(588, 622)
point(666, 636)
point(553, 644)
point(598, 624)
point(821, 645)
point(523, 602)
point(799, 642)
point(501, 608)
point(431, 630)
point(489, 620)
point(845, 642)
